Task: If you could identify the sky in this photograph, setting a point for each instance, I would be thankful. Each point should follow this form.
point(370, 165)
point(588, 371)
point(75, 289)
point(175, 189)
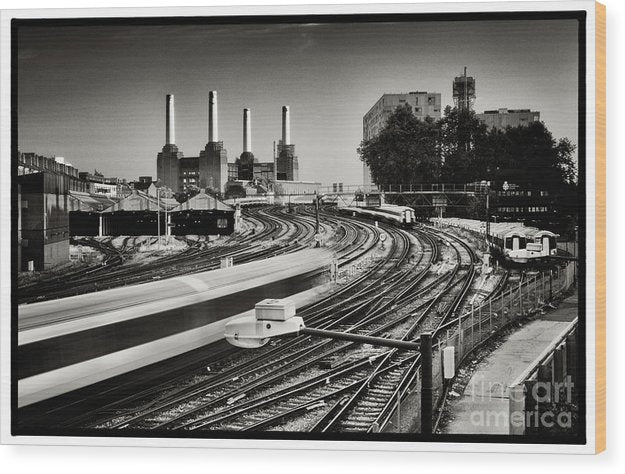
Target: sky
point(96, 94)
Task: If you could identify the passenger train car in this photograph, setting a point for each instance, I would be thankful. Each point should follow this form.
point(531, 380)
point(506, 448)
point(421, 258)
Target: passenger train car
point(250, 201)
point(402, 216)
point(513, 240)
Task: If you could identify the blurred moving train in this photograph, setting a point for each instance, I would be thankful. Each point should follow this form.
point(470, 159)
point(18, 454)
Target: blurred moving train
point(402, 216)
point(513, 240)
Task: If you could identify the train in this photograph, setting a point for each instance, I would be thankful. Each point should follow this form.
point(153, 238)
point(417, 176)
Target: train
point(402, 216)
point(72, 342)
point(512, 240)
point(250, 201)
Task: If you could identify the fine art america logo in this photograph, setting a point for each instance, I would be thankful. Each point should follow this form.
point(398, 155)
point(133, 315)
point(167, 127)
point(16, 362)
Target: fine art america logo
point(542, 405)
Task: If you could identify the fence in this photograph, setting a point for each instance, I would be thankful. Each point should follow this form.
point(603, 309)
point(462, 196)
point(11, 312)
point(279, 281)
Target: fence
point(471, 329)
point(404, 188)
point(547, 386)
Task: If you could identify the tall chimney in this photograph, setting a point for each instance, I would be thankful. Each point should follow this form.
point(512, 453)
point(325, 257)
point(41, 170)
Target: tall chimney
point(286, 125)
point(170, 121)
point(213, 135)
point(247, 131)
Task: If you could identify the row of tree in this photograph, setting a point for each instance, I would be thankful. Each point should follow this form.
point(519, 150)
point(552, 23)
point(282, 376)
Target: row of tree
point(459, 148)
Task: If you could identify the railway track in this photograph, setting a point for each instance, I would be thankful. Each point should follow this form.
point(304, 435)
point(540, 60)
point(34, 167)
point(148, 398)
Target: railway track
point(351, 241)
point(195, 415)
point(282, 354)
point(301, 383)
point(198, 257)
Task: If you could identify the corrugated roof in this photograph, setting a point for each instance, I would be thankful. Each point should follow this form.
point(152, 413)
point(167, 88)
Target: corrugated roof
point(138, 201)
point(91, 202)
point(203, 201)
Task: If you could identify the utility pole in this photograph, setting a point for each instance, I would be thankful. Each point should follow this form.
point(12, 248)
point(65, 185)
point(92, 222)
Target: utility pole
point(487, 213)
point(166, 225)
point(318, 244)
point(158, 216)
point(425, 341)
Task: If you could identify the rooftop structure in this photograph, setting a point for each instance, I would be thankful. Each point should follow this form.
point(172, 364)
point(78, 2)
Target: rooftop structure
point(503, 118)
point(463, 89)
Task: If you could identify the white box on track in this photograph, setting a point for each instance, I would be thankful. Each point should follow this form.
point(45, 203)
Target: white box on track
point(274, 309)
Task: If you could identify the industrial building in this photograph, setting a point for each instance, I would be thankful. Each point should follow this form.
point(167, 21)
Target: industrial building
point(142, 214)
point(423, 104)
point(503, 118)
point(211, 169)
point(43, 203)
point(202, 215)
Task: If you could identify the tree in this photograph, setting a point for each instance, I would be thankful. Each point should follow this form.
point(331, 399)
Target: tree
point(459, 148)
point(529, 156)
point(461, 135)
point(405, 150)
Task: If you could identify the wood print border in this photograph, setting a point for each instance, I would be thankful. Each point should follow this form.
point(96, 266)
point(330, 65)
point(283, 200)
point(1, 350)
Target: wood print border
point(600, 228)
point(599, 440)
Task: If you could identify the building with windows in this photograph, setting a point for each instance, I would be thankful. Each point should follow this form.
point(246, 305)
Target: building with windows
point(43, 205)
point(504, 118)
point(423, 104)
point(110, 187)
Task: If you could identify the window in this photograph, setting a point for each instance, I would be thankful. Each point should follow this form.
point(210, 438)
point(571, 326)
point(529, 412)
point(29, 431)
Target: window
point(222, 223)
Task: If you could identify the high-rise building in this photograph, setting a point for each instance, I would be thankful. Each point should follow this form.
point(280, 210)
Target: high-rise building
point(423, 104)
point(503, 118)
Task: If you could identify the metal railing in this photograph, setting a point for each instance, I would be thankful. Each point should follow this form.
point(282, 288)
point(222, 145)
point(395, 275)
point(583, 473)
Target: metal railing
point(554, 369)
point(402, 188)
point(473, 328)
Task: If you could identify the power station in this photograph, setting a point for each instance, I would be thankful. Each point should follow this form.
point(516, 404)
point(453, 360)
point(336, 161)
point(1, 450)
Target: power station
point(211, 169)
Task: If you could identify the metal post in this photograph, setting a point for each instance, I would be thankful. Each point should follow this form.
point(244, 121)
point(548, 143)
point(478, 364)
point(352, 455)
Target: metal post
point(472, 327)
point(158, 216)
point(510, 303)
point(426, 383)
point(503, 314)
point(460, 337)
point(376, 341)
point(166, 226)
point(520, 298)
point(398, 409)
point(536, 299)
point(487, 228)
point(479, 322)
point(318, 244)
point(550, 285)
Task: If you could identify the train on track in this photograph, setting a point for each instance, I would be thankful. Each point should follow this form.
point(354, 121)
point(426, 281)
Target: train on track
point(65, 344)
point(512, 240)
point(402, 216)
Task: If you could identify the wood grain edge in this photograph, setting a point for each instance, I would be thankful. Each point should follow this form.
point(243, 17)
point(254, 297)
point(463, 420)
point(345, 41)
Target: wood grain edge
point(600, 227)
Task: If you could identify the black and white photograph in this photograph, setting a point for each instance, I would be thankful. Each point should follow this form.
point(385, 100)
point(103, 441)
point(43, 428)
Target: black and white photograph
point(356, 227)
